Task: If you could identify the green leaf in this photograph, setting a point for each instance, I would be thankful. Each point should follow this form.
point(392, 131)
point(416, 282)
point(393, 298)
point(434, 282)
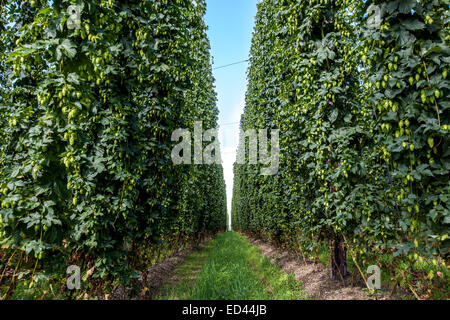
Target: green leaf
point(66, 48)
point(412, 24)
point(405, 6)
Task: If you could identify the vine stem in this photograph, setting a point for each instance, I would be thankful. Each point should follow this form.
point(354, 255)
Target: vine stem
point(435, 102)
point(409, 285)
point(37, 260)
point(354, 260)
point(34, 269)
point(301, 252)
point(14, 274)
point(335, 263)
point(6, 265)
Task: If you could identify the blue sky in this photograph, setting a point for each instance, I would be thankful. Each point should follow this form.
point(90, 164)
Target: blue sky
point(230, 24)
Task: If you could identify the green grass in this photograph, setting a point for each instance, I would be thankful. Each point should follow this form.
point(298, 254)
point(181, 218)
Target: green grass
point(184, 276)
point(232, 268)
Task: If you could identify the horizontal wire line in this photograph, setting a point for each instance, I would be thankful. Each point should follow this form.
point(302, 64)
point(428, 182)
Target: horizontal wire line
point(231, 64)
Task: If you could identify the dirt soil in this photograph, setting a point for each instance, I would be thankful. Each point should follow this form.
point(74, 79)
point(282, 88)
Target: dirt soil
point(314, 276)
point(150, 282)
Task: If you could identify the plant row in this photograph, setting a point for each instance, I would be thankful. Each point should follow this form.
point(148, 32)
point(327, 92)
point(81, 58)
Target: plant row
point(88, 105)
point(359, 91)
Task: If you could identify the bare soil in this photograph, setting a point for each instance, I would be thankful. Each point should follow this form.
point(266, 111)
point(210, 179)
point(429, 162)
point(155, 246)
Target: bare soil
point(151, 281)
point(314, 276)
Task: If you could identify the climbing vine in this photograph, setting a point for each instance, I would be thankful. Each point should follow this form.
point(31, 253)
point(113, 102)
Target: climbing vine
point(87, 114)
point(363, 116)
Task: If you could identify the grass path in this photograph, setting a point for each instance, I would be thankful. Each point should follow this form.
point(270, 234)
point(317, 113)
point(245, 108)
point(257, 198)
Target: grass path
point(229, 267)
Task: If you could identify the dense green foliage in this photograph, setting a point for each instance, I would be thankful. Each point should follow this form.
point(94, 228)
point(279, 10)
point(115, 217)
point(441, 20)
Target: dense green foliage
point(363, 113)
point(86, 119)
